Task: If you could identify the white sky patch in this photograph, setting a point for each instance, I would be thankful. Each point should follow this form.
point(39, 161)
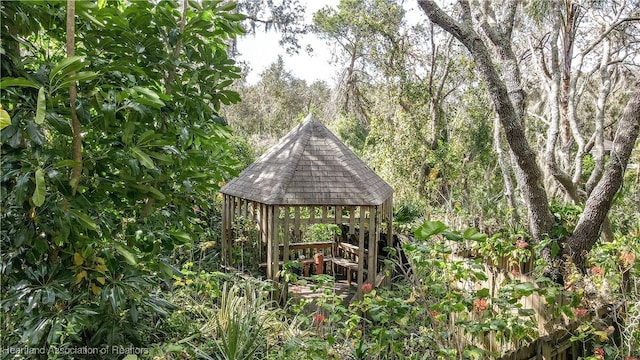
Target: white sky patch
point(262, 49)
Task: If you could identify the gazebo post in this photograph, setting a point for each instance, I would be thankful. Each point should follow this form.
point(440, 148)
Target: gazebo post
point(273, 239)
point(285, 234)
point(389, 216)
point(361, 248)
point(374, 235)
point(264, 236)
point(225, 235)
point(228, 228)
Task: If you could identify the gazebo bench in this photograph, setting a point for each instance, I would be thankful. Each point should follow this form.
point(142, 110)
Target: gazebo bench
point(306, 264)
point(346, 256)
point(304, 253)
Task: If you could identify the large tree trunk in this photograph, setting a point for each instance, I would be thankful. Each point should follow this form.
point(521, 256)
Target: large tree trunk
point(528, 173)
point(599, 202)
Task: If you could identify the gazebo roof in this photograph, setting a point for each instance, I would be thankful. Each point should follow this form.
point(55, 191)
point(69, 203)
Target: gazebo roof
point(309, 166)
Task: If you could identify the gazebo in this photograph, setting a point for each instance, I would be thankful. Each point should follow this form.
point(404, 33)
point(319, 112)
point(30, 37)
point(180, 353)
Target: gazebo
point(311, 177)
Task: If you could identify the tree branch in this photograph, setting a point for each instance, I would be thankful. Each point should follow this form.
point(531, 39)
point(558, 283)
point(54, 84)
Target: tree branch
point(599, 202)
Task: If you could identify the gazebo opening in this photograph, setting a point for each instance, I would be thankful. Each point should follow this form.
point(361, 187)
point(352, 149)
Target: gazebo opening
point(309, 200)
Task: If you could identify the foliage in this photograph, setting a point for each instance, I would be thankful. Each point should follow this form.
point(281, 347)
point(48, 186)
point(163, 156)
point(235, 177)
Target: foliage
point(274, 105)
point(321, 232)
point(85, 268)
point(351, 132)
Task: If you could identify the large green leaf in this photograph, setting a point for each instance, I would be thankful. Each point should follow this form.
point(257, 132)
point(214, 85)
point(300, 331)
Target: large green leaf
point(41, 108)
point(144, 159)
point(180, 236)
point(473, 234)
point(5, 118)
point(430, 228)
point(18, 82)
point(41, 188)
point(67, 65)
point(77, 77)
point(84, 219)
point(128, 255)
point(22, 185)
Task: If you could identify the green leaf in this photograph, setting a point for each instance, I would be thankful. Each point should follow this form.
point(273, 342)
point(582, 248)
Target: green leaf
point(429, 228)
point(41, 108)
point(5, 118)
point(526, 312)
point(452, 235)
point(497, 324)
point(79, 77)
point(66, 163)
point(146, 96)
point(37, 137)
point(127, 134)
point(126, 253)
point(180, 236)
point(66, 66)
point(85, 220)
point(555, 249)
point(22, 185)
point(226, 7)
point(146, 136)
point(155, 193)
point(473, 234)
point(144, 159)
point(41, 188)
point(482, 293)
point(18, 82)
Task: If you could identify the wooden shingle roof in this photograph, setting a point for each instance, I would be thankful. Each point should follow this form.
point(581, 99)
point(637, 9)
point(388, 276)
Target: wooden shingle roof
point(309, 166)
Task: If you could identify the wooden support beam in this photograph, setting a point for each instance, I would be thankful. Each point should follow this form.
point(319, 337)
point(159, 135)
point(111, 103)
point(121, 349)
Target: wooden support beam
point(352, 219)
point(361, 248)
point(264, 231)
point(325, 210)
point(273, 240)
point(225, 243)
point(374, 235)
point(296, 224)
point(390, 221)
point(286, 233)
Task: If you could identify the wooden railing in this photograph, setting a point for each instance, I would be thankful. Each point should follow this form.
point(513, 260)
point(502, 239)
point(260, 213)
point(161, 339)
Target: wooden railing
point(343, 255)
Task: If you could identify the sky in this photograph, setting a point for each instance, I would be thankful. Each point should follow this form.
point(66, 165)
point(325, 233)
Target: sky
point(262, 49)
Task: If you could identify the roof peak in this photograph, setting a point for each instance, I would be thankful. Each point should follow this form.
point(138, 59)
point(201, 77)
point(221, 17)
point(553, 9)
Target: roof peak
point(310, 165)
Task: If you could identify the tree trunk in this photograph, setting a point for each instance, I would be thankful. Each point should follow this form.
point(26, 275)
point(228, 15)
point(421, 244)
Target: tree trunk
point(527, 171)
point(599, 202)
point(76, 128)
point(509, 191)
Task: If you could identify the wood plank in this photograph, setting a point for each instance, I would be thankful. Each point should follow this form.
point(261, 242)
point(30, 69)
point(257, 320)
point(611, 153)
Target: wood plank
point(312, 214)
